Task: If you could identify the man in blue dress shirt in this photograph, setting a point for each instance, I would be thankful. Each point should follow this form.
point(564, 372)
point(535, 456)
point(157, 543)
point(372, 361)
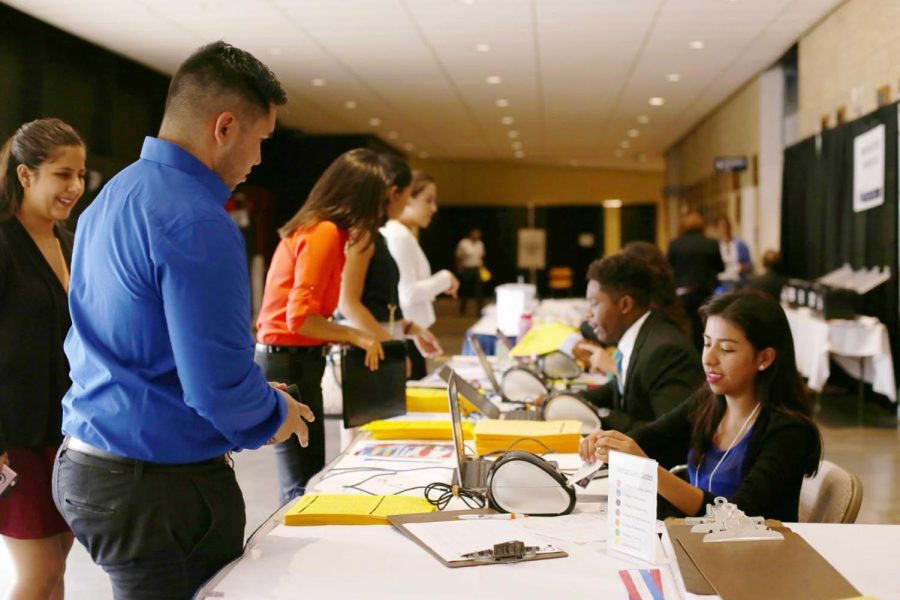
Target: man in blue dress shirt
point(163, 379)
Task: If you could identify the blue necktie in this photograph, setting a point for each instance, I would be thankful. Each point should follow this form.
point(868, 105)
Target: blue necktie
point(617, 356)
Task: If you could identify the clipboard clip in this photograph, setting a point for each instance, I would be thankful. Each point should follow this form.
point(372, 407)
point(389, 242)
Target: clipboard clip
point(725, 522)
point(505, 552)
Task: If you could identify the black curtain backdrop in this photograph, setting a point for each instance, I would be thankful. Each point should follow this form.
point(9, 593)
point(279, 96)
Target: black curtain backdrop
point(820, 231)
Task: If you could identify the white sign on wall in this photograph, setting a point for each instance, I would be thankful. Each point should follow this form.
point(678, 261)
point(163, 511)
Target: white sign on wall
point(868, 169)
point(532, 249)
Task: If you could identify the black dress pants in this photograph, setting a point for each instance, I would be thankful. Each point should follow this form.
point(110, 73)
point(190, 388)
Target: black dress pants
point(158, 531)
point(305, 368)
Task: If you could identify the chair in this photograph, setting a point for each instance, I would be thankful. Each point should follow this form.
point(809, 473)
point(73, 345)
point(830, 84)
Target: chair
point(832, 495)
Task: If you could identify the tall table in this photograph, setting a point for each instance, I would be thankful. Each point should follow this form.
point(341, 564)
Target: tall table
point(861, 346)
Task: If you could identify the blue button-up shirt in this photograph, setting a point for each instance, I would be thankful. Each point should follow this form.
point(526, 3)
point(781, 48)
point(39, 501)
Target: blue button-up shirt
point(160, 348)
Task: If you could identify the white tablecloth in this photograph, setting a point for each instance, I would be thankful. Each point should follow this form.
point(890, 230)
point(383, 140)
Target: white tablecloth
point(864, 338)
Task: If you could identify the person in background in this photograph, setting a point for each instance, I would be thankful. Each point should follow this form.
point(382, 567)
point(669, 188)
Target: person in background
point(418, 286)
point(696, 263)
point(773, 279)
point(735, 255)
point(303, 286)
point(748, 434)
point(41, 179)
point(163, 380)
point(369, 288)
point(469, 261)
point(656, 366)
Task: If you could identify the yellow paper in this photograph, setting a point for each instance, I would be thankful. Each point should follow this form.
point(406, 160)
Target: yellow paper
point(434, 401)
point(415, 430)
point(542, 339)
point(493, 435)
point(352, 509)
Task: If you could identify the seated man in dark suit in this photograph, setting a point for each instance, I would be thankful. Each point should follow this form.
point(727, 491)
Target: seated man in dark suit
point(657, 366)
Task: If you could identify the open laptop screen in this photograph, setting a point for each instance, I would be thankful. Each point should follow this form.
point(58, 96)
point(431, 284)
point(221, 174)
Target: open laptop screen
point(456, 424)
point(485, 363)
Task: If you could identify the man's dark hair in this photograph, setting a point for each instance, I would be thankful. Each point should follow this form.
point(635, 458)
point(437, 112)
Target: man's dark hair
point(220, 70)
point(622, 273)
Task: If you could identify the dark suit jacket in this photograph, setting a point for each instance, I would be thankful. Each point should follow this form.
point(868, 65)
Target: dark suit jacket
point(780, 450)
point(664, 369)
point(34, 321)
point(696, 262)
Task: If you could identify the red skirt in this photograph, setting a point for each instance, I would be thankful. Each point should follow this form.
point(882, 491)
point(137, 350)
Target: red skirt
point(27, 511)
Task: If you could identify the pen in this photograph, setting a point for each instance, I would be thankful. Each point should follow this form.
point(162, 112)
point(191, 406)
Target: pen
point(506, 516)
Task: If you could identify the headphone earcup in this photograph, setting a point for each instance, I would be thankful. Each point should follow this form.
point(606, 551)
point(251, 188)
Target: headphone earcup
point(522, 482)
point(559, 365)
point(522, 385)
point(565, 406)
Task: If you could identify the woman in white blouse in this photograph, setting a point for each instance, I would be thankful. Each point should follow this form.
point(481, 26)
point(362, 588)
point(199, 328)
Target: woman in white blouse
point(418, 286)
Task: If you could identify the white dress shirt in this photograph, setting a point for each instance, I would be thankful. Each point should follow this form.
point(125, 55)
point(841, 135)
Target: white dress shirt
point(418, 287)
point(626, 344)
point(470, 253)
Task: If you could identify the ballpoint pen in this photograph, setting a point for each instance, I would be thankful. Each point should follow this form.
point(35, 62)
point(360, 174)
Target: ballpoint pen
point(498, 516)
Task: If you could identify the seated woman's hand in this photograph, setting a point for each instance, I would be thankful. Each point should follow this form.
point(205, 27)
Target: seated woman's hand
point(605, 441)
point(588, 449)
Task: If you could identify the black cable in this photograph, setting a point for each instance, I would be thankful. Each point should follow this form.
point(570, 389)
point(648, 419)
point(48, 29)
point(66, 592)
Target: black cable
point(515, 443)
point(439, 494)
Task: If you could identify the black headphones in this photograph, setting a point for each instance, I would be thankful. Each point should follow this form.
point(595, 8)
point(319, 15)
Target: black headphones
point(524, 483)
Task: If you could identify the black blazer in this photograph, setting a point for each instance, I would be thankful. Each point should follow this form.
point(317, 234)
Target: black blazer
point(663, 370)
point(781, 449)
point(696, 262)
point(34, 321)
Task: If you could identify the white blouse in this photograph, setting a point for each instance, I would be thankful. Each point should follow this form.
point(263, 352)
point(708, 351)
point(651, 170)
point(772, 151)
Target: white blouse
point(418, 287)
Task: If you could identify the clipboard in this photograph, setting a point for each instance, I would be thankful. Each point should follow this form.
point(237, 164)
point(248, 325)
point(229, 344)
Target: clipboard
point(784, 569)
point(400, 522)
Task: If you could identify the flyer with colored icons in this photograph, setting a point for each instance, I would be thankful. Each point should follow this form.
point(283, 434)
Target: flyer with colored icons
point(631, 516)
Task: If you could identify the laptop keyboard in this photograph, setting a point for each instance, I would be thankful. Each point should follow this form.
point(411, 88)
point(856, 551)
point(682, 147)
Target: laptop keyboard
point(522, 414)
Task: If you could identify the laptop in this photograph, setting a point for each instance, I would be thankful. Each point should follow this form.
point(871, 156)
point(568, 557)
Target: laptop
point(523, 386)
point(471, 473)
point(485, 406)
point(503, 339)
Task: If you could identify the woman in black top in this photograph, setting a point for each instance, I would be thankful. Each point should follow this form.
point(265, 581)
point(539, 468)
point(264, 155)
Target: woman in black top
point(41, 179)
point(748, 434)
point(369, 297)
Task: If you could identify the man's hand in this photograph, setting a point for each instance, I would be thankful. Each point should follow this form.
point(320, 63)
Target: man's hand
point(295, 423)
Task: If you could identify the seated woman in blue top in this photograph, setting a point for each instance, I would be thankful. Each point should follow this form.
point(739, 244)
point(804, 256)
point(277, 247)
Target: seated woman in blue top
point(747, 435)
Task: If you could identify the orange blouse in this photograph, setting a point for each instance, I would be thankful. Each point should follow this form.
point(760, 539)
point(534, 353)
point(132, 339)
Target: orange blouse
point(304, 279)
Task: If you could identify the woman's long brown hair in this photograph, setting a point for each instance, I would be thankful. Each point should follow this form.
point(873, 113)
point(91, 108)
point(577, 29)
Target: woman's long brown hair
point(351, 193)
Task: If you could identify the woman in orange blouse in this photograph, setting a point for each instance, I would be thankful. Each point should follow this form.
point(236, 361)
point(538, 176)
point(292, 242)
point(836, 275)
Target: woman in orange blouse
point(302, 291)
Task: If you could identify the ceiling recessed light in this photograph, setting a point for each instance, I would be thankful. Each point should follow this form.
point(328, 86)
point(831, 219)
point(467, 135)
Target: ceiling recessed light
point(502, 102)
point(423, 155)
point(517, 145)
point(657, 101)
point(633, 133)
point(408, 146)
point(519, 154)
point(374, 121)
point(393, 135)
point(318, 82)
point(483, 47)
point(350, 104)
point(625, 144)
point(697, 45)
point(507, 120)
point(612, 203)
point(512, 133)
point(619, 153)
point(493, 79)
point(275, 51)
point(643, 119)
point(673, 77)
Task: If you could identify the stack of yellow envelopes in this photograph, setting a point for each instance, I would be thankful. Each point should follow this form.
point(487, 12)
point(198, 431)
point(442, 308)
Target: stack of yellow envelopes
point(434, 401)
point(352, 509)
point(492, 435)
point(415, 430)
